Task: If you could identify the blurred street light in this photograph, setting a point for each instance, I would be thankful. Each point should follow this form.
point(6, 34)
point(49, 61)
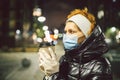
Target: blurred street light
point(100, 14)
point(56, 31)
point(41, 19)
point(118, 37)
point(119, 14)
point(18, 31)
point(45, 28)
point(37, 12)
point(112, 36)
point(113, 29)
point(39, 40)
point(17, 35)
point(114, 0)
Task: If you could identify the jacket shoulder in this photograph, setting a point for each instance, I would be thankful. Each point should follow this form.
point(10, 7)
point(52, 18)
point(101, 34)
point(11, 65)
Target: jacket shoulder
point(102, 66)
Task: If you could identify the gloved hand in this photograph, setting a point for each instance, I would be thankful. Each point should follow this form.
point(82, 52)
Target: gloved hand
point(48, 61)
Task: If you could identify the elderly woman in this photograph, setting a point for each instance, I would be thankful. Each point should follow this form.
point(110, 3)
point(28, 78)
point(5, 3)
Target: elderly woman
point(84, 45)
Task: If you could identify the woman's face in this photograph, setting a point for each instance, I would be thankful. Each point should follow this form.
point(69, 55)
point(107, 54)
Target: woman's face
point(72, 29)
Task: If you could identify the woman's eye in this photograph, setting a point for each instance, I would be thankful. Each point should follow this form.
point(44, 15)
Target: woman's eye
point(71, 31)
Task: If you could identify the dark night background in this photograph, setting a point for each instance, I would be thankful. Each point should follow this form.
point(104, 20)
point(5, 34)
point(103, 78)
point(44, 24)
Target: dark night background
point(55, 12)
point(17, 15)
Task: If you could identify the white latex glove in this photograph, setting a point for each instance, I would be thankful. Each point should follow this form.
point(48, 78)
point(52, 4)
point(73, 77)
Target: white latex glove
point(48, 61)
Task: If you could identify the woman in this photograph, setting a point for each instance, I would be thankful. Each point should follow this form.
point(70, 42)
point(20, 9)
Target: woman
point(84, 45)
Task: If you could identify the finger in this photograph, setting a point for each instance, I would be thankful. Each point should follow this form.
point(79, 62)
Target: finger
point(39, 53)
point(43, 53)
point(42, 67)
point(52, 53)
point(42, 63)
point(44, 58)
point(46, 54)
point(39, 60)
point(39, 57)
point(41, 49)
point(46, 62)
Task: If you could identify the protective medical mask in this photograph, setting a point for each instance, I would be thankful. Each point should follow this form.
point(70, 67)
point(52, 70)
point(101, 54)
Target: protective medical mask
point(70, 41)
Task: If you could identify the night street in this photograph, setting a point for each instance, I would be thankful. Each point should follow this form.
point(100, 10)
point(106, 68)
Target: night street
point(12, 68)
point(24, 65)
point(87, 26)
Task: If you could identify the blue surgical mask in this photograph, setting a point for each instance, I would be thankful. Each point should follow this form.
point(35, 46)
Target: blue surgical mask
point(70, 41)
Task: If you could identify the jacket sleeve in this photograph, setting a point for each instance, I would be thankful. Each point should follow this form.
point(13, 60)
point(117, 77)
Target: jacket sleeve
point(101, 71)
point(51, 77)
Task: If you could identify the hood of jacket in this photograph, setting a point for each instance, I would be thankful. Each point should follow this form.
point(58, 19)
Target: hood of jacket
point(93, 47)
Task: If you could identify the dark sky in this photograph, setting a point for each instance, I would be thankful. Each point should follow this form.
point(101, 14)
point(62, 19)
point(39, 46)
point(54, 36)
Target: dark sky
point(56, 11)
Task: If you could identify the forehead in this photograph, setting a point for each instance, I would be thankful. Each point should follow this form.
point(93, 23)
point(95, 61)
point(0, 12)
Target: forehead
point(71, 25)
